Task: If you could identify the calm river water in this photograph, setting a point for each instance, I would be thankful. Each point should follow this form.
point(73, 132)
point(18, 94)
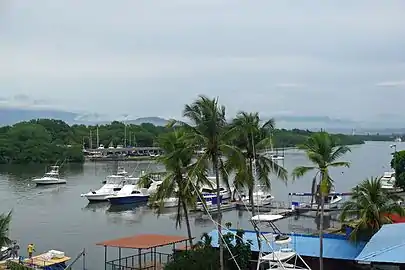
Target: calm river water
point(58, 218)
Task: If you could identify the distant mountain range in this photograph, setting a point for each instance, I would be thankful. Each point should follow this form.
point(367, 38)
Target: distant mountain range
point(10, 116)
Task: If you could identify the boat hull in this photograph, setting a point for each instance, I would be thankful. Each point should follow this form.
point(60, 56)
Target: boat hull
point(170, 203)
point(40, 182)
point(96, 197)
point(127, 199)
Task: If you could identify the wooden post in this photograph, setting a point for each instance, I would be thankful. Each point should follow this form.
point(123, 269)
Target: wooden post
point(105, 257)
point(139, 258)
point(119, 257)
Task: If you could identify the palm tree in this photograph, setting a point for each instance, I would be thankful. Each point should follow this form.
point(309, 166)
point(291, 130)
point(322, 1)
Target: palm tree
point(253, 137)
point(4, 229)
point(324, 152)
point(210, 131)
point(177, 159)
point(371, 207)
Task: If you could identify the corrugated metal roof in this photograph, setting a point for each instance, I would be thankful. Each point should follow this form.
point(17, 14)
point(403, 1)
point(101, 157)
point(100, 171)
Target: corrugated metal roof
point(334, 246)
point(386, 246)
point(143, 241)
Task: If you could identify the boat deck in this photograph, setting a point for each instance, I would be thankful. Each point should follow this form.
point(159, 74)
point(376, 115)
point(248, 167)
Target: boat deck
point(42, 261)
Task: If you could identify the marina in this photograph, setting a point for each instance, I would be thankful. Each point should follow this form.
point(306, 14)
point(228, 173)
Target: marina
point(75, 228)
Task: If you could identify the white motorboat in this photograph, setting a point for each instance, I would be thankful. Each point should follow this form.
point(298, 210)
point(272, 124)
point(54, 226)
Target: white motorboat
point(260, 198)
point(212, 190)
point(331, 201)
point(50, 178)
point(279, 252)
point(170, 202)
point(154, 186)
point(277, 157)
point(388, 181)
point(129, 194)
point(113, 184)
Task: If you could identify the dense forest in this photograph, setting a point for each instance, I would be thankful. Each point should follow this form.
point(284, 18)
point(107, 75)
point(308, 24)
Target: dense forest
point(48, 140)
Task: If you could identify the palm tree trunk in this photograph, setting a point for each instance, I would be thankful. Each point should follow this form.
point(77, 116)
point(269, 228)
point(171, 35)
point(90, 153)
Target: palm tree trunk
point(219, 218)
point(251, 188)
point(321, 232)
point(190, 237)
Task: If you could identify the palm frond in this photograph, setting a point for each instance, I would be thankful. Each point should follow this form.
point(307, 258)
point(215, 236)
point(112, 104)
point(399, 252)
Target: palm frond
point(300, 171)
point(5, 221)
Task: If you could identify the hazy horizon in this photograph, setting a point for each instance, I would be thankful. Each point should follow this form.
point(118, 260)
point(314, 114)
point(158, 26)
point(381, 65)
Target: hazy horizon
point(343, 59)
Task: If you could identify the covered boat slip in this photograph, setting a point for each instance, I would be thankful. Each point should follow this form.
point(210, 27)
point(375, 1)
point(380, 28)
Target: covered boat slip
point(336, 247)
point(147, 255)
point(386, 249)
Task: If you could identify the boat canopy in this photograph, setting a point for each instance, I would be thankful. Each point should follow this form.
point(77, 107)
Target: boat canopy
point(269, 218)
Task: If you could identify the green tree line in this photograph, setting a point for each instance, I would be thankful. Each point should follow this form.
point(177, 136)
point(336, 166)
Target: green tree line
point(50, 140)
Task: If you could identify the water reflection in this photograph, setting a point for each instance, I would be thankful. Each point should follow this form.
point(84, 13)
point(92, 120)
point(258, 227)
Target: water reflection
point(127, 213)
point(96, 207)
point(126, 207)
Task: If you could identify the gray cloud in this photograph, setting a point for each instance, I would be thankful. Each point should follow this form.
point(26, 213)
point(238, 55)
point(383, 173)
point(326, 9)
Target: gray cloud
point(150, 57)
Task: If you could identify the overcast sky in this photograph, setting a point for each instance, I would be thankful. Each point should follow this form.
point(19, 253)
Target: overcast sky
point(148, 58)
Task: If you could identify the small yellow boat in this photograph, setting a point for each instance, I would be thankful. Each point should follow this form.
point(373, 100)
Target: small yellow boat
point(52, 259)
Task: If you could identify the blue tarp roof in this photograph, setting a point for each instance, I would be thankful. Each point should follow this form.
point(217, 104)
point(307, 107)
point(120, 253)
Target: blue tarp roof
point(386, 246)
point(334, 246)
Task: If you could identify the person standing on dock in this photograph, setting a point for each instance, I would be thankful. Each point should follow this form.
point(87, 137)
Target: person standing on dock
point(30, 250)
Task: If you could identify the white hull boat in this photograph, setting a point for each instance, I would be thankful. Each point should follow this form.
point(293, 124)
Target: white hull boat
point(276, 157)
point(113, 184)
point(388, 181)
point(212, 190)
point(50, 178)
point(279, 253)
point(129, 194)
point(260, 198)
point(170, 202)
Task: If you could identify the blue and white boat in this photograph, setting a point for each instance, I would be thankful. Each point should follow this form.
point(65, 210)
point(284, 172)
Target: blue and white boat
point(210, 200)
point(208, 190)
point(130, 193)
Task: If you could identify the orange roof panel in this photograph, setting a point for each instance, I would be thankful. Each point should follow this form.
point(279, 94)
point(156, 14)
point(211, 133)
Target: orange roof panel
point(143, 241)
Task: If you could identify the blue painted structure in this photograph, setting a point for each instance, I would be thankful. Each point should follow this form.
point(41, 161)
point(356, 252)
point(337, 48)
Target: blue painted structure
point(386, 246)
point(334, 246)
point(128, 199)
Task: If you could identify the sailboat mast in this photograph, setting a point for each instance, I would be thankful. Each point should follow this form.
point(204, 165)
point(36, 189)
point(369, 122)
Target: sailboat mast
point(98, 138)
point(91, 140)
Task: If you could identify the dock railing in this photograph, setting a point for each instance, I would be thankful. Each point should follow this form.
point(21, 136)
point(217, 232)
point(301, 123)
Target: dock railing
point(150, 260)
point(81, 255)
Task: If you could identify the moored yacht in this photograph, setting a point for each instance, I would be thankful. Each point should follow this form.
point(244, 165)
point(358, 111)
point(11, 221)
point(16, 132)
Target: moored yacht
point(52, 177)
point(388, 181)
point(112, 185)
point(276, 157)
point(260, 198)
point(207, 190)
point(130, 193)
point(276, 249)
point(331, 201)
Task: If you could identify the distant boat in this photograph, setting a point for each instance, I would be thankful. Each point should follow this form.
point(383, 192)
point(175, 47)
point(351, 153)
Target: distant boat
point(212, 189)
point(398, 139)
point(388, 181)
point(331, 201)
point(260, 198)
point(50, 178)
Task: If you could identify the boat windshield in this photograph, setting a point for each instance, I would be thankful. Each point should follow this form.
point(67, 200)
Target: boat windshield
point(114, 179)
